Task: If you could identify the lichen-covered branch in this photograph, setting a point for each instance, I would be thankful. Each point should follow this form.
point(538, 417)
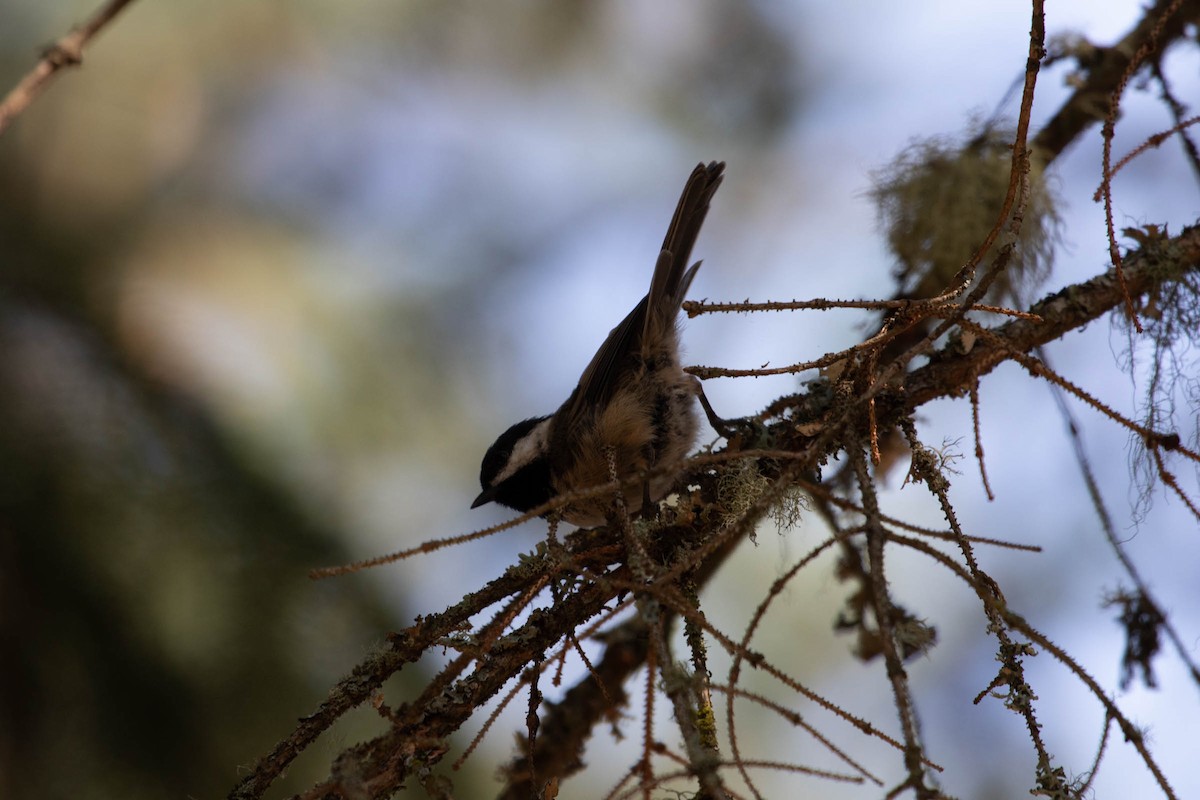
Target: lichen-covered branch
point(953, 369)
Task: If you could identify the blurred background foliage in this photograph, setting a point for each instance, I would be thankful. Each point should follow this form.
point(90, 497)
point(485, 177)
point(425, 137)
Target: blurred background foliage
point(273, 274)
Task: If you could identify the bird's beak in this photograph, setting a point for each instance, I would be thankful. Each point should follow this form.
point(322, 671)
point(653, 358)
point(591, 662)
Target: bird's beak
point(486, 496)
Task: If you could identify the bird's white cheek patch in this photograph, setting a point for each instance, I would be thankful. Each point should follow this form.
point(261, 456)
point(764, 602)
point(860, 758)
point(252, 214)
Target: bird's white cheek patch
point(532, 445)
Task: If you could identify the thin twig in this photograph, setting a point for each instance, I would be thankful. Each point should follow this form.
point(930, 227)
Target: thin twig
point(1178, 111)
point(1109, 130)
point(66, 52)
point(1017, 622)
point(987, 487)
point(881, 604)
point(1106, 521)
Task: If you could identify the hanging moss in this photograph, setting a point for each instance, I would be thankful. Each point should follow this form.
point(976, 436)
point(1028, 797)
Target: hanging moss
point(939, 199)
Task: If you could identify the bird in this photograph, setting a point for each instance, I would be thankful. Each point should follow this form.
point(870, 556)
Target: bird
point(633, 410)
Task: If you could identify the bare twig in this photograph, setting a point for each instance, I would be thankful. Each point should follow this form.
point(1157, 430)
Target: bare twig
point(66, 52)
point(1086, 106)
point(1017, 622)
point(881, 604)
point(1148, 48)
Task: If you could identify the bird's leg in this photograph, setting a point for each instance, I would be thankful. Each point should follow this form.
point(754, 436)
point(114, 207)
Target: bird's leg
point(719, 424)
point(743, 429)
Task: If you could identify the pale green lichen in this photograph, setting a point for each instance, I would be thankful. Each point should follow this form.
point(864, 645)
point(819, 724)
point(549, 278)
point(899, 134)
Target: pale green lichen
point(939, 199)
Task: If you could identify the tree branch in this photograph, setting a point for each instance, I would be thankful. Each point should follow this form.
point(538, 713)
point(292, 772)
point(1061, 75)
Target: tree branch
point(66, 52)
point(405, 647)
point(951, 372)
point(1089, 104)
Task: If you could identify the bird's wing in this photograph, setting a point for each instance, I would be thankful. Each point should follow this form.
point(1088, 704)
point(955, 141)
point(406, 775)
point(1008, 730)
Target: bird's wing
point(656, 311)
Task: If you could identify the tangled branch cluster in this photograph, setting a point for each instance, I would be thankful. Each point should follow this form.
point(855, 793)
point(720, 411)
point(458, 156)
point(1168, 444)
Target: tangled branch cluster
point(628, 583)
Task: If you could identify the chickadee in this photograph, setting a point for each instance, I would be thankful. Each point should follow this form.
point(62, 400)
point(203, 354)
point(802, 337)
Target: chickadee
point(634, 403)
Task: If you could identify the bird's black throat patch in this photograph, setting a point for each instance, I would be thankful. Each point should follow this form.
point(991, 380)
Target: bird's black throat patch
point(526, 488)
